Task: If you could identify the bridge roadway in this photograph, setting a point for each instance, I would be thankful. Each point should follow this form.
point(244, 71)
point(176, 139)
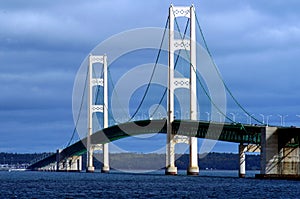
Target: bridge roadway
point(237, 133)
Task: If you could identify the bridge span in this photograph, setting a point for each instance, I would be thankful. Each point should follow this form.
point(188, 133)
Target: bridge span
point(279, 155)
point(238, 133)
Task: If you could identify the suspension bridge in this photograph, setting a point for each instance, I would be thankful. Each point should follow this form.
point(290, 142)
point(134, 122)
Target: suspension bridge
point(278, 146)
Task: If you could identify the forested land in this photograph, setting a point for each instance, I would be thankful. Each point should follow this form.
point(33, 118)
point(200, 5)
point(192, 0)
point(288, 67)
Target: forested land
point(220, 161)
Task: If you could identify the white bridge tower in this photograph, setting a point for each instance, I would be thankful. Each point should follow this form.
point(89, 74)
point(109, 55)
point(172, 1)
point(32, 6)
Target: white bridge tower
point(102, 59)
point(177, 44)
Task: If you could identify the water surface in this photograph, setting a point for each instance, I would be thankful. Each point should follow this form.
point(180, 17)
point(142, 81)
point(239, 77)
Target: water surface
point(209, 184)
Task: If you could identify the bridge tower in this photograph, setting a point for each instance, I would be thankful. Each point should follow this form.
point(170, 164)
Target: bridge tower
point(177, 44)
point(92, 108)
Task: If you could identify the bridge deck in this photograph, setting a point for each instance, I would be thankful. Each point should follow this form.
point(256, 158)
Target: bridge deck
point(237, 133)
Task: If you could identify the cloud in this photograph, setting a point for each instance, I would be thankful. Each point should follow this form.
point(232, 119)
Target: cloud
point(42, 44)
point(68, 25)
point(255, 44)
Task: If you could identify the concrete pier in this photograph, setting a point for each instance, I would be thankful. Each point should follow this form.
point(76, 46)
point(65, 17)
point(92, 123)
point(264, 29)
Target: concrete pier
point(171, 169)
point(90, 166)
point(58, 163)
point(74, 164)
point(269, 151)
point(193, 167)
point(70, 164)
point(242, 160)
point(105, 168)
point(280, 155)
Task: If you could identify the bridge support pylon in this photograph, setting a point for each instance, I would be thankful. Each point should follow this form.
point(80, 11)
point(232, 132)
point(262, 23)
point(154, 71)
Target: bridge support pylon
point(105, 168)
point(190, 83)
point(92, 108)
point(70, 164)
point(74, 164)
point(280, 153)
point(171, 169)
point(242, 160)
point(57, 167)
point(90, 155)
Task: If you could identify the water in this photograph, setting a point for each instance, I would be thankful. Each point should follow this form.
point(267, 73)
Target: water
point(210, 184)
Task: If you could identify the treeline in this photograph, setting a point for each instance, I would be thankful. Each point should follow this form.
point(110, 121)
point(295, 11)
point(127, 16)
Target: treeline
point(17, 158)
point(220, 161)
point(131, 161)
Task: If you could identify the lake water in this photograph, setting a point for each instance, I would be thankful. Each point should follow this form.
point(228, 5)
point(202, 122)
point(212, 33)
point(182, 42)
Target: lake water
point(209, 184)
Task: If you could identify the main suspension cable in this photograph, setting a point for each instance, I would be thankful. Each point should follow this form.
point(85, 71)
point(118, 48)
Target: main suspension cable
point(219, 74)
point(202, 86)
point(80, 109)
point(153, 71)
point(175, 65)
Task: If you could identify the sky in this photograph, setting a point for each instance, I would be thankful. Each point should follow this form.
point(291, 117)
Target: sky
point(256, 45)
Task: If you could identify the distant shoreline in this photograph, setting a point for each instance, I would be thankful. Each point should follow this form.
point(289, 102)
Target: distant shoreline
point(140, 161)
